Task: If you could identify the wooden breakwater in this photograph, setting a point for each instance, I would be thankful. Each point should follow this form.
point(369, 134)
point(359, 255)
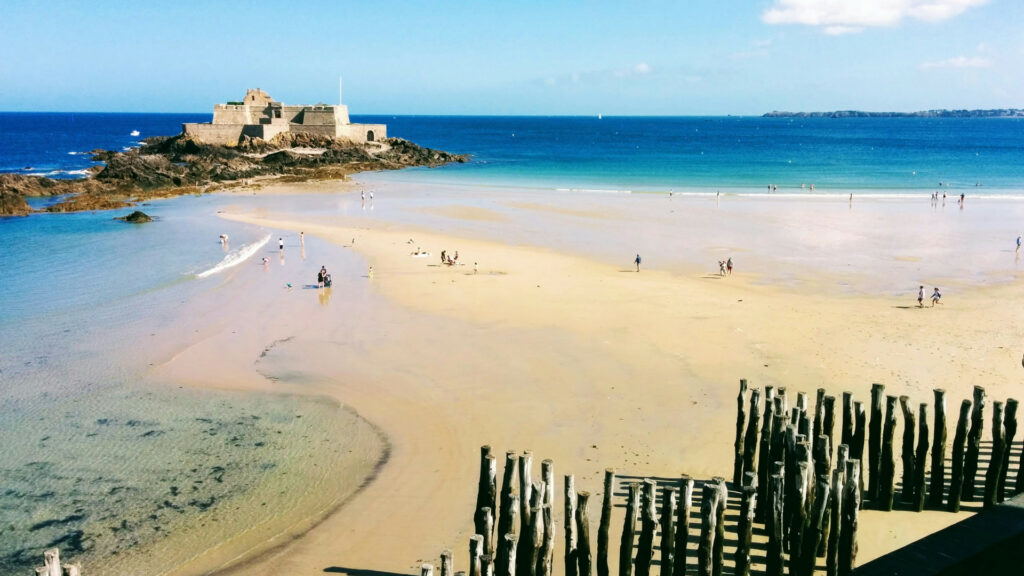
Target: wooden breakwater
point(799, 479)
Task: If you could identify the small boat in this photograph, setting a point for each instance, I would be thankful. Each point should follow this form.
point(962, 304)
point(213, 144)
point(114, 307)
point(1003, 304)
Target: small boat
point(134, 133)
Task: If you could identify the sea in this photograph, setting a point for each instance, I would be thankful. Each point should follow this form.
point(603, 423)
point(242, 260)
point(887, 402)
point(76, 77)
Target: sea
point(104, 467)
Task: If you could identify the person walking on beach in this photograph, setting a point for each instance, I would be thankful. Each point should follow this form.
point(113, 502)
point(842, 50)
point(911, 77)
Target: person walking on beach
point(721, 267)
point(920, 297)
point(637, 262)
point(936, 297)
point(728, 265)
point(1018, 243)
point(302, 238)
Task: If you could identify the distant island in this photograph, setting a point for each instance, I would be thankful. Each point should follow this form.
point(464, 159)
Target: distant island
point(995, 113)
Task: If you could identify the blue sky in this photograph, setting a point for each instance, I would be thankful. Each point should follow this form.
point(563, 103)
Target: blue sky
point(688, 57)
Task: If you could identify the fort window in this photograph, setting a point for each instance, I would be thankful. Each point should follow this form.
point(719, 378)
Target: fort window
point(277, 113)
point(369, 136)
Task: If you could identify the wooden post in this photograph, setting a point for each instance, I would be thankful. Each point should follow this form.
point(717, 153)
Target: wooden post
point(744, 531)
point(1010, 427)
point(426, 570)
point(487, 490)
point(669, 499)
point(741, 415)
point(525, 498)
point(995, 464)
point(791, 479)
point(938, 451)
point(823, 456)
point(750, 439)
point(907, 453)
point(828, 422)
point(571, 549)
point(629, 531)
point(648, 526)
point(718, 550)
point(709, 518)
point(956, 479)
point(774, 561)
point(819, 411)
point(446, 563)
point(850, 513)
point(835, 520)
point(583, 558)
point(859, 435)
point(605, 526)
point(920, 457)
point(842, 457)
point(502, 562)
point(545, 561)
point(476, 550)
point(683, 525)
point(764, 455)
point(485, 528)
point(875, 440)
point(487, 565)
point(815, 527)
point(532, 538)
point(887, 465)
point(974, 444)
point(508, 480)
point(800, 511)
point(780, 433)
point(547, 474)
point(848, 426)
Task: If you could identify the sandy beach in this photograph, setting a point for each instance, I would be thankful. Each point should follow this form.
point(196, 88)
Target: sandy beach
point(544, 337)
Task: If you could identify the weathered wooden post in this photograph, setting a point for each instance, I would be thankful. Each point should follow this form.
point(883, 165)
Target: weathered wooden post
point(571, 550)
point(648, 526)
point(487, 565)
point(792, 472)
point(846, 436)
point(842, 456)
point(669, 499)
point(828, 423)
point(508, 480)
point(546, 561)
point(859, 435)
point(887, 464)
point(835, 520)
point(605, 526)
point(819, 411)
point(815, 527)
point(764, 454)
point(744, 531)
point(938, 451)
point(629, 531)
point(850, 512)
point(995, 464)
point(775, 561)
point(956, 479)
point(505, 559)
point(583, 558)
point(447, 567)
point(485, 526)
point(487, 494)
point(476, 550)
point(1010, 427)
point(718, 551)
point(822, 456)
point(708, 525)
point(750, 439)
point(683, 525)
point(875, 440)
point(920, 457)
point(426, 569)
point(547, 474)
point(525, 499)
point(974, 444)
point(741, 415)
point(907, 453)
point(798, 519)
point(531, 539)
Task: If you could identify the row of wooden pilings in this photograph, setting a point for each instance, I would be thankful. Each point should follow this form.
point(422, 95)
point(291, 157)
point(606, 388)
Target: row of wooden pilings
point(806, 495)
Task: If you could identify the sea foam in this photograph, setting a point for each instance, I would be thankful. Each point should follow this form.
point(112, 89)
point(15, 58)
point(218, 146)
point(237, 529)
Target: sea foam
point(236, 257)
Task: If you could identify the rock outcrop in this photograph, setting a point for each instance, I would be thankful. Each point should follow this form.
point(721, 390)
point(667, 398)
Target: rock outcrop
point(170, 166)
point(136, 217)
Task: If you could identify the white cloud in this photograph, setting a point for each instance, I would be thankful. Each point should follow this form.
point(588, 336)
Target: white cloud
point(850, 16)
point(958, 62)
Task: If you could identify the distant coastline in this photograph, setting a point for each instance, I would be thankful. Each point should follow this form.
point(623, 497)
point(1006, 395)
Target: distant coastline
point(943, 113)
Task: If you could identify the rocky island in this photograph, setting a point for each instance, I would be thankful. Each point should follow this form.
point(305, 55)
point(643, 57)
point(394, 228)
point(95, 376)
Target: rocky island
point(255, 139)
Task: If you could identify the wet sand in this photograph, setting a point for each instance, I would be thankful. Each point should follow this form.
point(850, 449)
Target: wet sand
point(556, 344)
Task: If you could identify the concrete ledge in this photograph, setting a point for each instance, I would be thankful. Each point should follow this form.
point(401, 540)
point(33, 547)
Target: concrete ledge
point(990, 542)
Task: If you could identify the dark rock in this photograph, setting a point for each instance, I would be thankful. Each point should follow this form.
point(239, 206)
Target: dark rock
point(137, 217)
point(13, 204)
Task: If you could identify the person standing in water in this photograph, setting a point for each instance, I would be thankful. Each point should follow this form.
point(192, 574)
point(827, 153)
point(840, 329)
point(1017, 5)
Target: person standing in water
point(728, 265)
point(637, 262)
point(302, 238)
point(280, 244)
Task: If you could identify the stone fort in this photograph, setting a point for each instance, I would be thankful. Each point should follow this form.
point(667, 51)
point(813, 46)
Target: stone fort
point(260, 116)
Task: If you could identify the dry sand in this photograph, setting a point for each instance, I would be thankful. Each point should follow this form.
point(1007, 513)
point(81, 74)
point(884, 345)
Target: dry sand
point(558, 346)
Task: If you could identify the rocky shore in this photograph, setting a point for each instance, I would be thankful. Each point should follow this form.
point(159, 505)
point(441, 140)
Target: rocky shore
point(171, 166)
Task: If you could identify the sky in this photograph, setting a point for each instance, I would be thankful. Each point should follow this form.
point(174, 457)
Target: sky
point(683, 57)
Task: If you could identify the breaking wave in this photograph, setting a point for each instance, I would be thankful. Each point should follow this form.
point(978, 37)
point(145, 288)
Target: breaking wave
point(236, 257)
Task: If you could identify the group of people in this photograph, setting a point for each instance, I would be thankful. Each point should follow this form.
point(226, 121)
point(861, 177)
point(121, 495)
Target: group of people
point(323, 279)
point(725, 267)
point(936, 297)
point(447, 259)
